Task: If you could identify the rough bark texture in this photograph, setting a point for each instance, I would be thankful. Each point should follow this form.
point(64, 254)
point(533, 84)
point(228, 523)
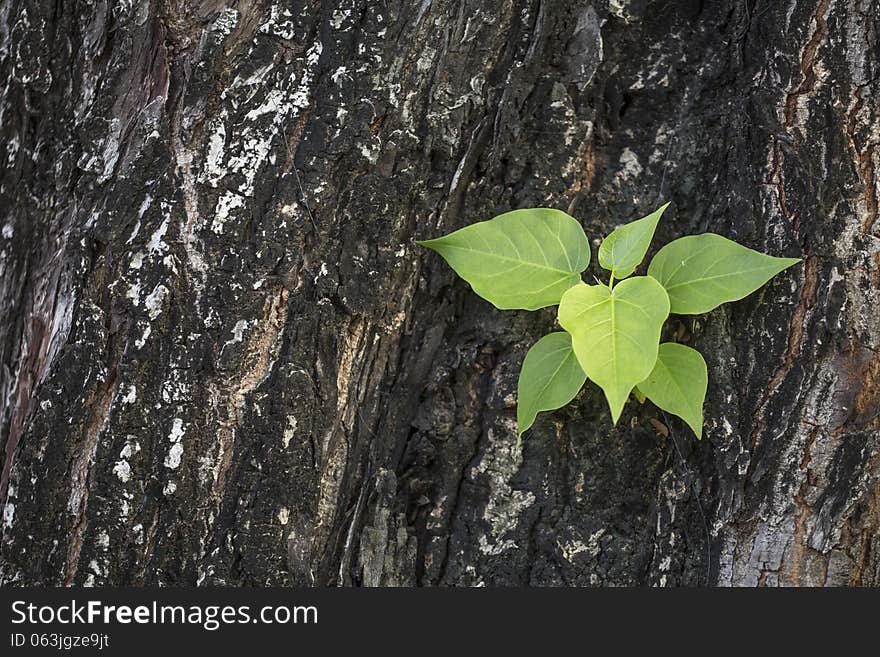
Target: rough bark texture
point(224, 361)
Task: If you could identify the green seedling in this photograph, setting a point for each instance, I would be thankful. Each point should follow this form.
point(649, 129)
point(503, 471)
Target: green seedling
point(534, 258)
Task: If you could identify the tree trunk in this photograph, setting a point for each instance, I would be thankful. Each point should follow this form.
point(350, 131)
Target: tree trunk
point(223, 360)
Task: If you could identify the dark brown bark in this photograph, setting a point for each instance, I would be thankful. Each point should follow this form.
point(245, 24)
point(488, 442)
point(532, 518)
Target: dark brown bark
point(224, 361)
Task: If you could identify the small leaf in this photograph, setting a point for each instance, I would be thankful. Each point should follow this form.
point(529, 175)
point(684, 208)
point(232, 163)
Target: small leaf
point(525, 259)
point(700, 272)
point(678, 383)
point(550, 378)
point(640, 397)
point(625, 248)
point(615, 333)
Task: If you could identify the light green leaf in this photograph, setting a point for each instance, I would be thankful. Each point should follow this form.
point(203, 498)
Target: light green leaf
point(639, 395)
point(678, 383)
point(625, 248)
point(550, 378)
point(700, 272)
point(525, 259)
point(615, 333)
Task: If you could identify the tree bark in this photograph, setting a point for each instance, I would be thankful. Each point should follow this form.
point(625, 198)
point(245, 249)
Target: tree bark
point(223, 360)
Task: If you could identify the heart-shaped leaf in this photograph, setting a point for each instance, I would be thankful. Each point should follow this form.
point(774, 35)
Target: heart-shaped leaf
point(525, 259)
point(625, 248)
point(550, 378)
point(700, 272)
point(678, 383)
point(615, 333)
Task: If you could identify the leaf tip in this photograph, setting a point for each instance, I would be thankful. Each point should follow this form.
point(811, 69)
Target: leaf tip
point(786, 263)
point(616, 408)
point(522, 421)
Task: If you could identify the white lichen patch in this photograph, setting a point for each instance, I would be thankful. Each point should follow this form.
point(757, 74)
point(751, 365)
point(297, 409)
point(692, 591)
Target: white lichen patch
point(370, 151)
point(290, 210)
point(176, 388)
point(283, 515)
point(177, 430)
point(238, 332)
point(131, 448)
point(339, 17)
point(206, 469)
point(141, 341)
point(214, 169)
point(141, 211)
point(226, 204)
point(241, 148)
point(339, 75)
point(226, 21)
point(505, 505)
point(134, 293)
point(280, 23)
point(12, 147)
point(95, 567)
point(621, 9)
point(289, 430)
point(155, 301)
point(122, 470)
point(274, 101)
point(321, 272)
point(172, 459)
point(8, 515)
point(630, 165)
point(301, 97)
point(156, 245)
point(572, 548)
point(130, 396)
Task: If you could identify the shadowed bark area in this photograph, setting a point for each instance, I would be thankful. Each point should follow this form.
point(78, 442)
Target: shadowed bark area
point(223, 360)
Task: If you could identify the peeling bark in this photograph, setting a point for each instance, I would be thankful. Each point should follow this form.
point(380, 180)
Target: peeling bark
point(224, 361)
